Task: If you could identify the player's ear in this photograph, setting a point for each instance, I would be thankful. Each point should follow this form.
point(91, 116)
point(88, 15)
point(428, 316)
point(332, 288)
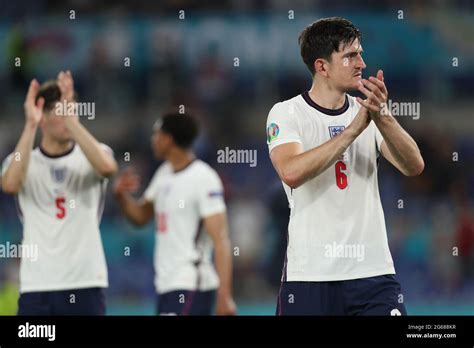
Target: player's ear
point(170, 140)
point(45, 117)
point(320, 67)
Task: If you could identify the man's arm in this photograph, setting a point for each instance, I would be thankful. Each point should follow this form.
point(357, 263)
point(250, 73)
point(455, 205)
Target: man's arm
point(295, 167)
point(15, 175)
point(398, 146)
point(216, 227)
point(102, 161)
point(138, 212)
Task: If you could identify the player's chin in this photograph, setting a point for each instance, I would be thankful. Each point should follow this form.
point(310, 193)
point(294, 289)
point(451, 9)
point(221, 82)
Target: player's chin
point(354, 84)
point(64, 137)
point(352, 88)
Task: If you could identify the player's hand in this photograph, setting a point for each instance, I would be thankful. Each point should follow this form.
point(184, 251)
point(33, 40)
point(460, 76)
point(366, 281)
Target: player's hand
point(225, 305)
point(33, 109)
point(377, 95)
point(128, 181)
point(361, 120)
point(66, 85)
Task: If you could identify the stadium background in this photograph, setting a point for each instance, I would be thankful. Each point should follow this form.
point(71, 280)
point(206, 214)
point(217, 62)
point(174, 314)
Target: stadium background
point(427, 57)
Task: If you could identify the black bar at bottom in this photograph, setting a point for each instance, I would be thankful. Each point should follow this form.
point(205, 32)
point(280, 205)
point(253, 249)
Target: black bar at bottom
point(136, 331)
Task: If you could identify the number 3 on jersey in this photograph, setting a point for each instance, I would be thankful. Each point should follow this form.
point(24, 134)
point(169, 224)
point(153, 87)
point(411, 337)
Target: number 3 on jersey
point(341, 177)
point(61, 212)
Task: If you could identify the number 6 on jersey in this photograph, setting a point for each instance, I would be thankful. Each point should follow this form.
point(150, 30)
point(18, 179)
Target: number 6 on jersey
point(341, 177)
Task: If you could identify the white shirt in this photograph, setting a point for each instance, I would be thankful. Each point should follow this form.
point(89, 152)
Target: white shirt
point(337, 227)
point(183, 251)
point(60, 206)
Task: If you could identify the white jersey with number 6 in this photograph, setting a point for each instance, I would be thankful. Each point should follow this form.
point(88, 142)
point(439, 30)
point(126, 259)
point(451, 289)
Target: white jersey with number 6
point(337, 227)
point(60, 206)
point(182, 199)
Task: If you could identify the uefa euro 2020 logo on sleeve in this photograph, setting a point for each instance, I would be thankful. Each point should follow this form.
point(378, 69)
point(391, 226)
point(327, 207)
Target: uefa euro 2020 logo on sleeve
point(272, 132)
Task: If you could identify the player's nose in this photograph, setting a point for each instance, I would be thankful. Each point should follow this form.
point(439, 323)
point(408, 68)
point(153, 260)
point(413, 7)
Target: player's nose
point(360, 63)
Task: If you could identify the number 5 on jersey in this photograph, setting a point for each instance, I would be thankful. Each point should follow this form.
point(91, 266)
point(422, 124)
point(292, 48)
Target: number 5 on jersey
point(61, 210)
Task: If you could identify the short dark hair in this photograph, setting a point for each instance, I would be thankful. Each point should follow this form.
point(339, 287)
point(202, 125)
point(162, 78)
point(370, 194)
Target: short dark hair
point(183, 128)
point(323, 37)
point(51, 94)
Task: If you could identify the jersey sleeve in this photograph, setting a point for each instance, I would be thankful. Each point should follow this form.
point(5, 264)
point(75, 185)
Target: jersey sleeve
point(6, 163)
point(282, 127)
point(150, 192)
point(107, 149)
point(210, 195)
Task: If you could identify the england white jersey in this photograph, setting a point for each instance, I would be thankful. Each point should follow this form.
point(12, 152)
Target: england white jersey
point(183, 250)
point(60, 205)
point(337, 227)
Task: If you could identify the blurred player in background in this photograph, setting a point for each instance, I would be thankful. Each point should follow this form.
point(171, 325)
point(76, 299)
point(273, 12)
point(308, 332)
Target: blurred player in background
point(325, 149)
point(186, 197)
point(60, 189)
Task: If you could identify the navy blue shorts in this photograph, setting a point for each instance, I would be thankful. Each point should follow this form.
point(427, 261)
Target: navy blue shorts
point(380, 295)
point(186, 302)
point(65, 302)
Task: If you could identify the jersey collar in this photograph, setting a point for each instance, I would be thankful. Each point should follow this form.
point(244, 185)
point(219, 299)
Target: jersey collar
point(58, 155)
point(329, 112)
point(185, 167)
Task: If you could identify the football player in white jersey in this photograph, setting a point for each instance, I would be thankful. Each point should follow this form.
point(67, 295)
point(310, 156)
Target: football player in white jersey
point(59, 187)
point(324, 145)
point(186, 198)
